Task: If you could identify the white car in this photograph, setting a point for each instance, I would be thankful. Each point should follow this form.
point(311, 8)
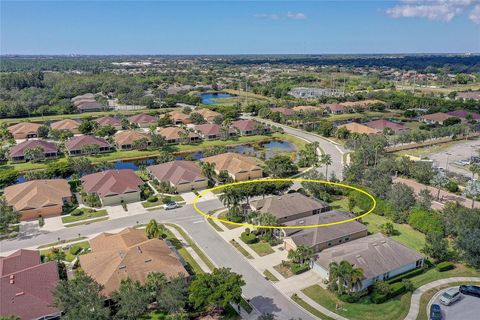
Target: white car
point(171, 205)
point(450, 296)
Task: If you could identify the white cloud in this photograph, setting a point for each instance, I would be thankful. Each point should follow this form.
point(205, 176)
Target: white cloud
point(439, 10)
point(475, 14)
point(278, 16)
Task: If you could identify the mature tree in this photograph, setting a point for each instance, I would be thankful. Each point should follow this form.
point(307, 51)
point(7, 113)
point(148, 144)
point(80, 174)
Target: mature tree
point(158, 141)
point(474, 169)
point(472, 190)
point(7, 215)
point(402, 197)
point(105, 131)
point(81, 165)
point(387, 229)
point(132, 300)
point(152, 229)
point(468, 243)
point(197, 118)
point(308, 156)
point(43, 131)
point(216, 289)
point(218, 120)
point(91, 149)
point(140, 144)
point(34, 154)
point(58, 255)
point(208, 170)
point(173, 296)
point(224, 177)
point(425, 199)
point(301, 255)
point(80, 298)
point(266, 219)
point(280, 166)
point(60, 135)
point(436, 246)
point(326, 160)
point(344, 276)
point(439, 181)
point(165, 156)
point(87, 126)
point(164, 121)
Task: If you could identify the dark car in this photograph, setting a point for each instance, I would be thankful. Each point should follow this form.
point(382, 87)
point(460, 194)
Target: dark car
point(470, 290)
point(435, 312)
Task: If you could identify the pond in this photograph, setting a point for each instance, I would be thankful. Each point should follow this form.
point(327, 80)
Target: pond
point(262, 151)
point(214, 95)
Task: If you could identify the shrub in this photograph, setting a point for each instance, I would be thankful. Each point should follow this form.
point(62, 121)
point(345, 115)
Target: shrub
point(74, 250)
point(249, 238)
point(378, 297)
point(452, 186)
point(396, 289)
point(445, 266)
point(299, 268)
point(152, 199)
point(426, 221)
point(409, 287)
point(41, 221)
point(167, 199)
point(406, 275)
point(77, 212)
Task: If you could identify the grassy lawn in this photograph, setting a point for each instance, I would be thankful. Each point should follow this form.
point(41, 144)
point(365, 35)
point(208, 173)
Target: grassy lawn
point(405, 234)
point(261, 248)
point(194, 246)
point(433, 274)
point(86, 222)
point(60, 242)
point(68, 256)
point(284, 269)
point(184, 253)
point(228, 225)
point(147, 204)
point(396, 308)
point(241, 249)
point(309, 308)
point(342, 204)
point(269, 275)
point(86, 214)
point(215, 225)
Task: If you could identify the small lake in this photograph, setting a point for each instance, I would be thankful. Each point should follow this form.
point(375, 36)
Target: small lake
point(214, 95)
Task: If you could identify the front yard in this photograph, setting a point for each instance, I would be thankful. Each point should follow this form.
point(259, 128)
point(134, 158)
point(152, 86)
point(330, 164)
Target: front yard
point(83, 214)
point(161, 200)
point(262, 248)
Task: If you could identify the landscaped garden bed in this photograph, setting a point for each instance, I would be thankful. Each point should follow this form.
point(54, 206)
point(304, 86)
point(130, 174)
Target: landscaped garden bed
point(83, 214)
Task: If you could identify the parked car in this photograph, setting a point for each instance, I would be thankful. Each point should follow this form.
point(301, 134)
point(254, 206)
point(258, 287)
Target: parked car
point(470, 290)
point(450, 296)
point(435, 312)
point(171, 205)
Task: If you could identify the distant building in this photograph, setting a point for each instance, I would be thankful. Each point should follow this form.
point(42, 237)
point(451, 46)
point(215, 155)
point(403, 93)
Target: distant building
point(469, 95)
point(87, 103)
point(382, 124)
point(24, 130)
point(238, 166)
point(464, 115)
point(27, 285)
point(211, 131)
point(286, 112)
point(435, 118)
point(183, 175)
point(249, 127)
point(67, 125)
point(315, 93)
point(359, 128)
point(114, 122)
point(143, 120)
point(36, 198)
point(207, 114)
point(179, 118)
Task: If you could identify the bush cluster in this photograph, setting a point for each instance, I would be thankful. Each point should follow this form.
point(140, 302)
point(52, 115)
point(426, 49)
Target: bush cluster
point(445, 266)
point(299, 268)
point(425, 221)
point(249, 237)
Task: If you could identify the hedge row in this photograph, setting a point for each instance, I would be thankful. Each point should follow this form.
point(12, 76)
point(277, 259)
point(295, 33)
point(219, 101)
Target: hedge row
point(425, 221)
point(406, 275)
point(299, 268)
point(445, 266)
point(249, 238)
point(395, 290)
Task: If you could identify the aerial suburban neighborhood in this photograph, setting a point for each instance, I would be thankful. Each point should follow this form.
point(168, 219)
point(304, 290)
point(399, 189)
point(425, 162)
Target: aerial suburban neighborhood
point(232, 160)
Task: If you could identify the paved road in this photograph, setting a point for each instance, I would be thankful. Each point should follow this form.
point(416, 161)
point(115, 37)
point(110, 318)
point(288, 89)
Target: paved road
point(262, 294)
point(336, 151)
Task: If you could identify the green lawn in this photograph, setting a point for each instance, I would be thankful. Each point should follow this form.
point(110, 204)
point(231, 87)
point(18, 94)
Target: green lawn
point(86, 214)
point(262, 248)
point(241, 249)
point(68, 256)
point(228, 225)
point(86, 222)
point(394, 309)
point(270, 276)
point(215, 225)
point(309, 308)
point(184, 253)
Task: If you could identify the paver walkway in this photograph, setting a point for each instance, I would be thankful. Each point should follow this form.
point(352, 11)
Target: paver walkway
point(417, 294)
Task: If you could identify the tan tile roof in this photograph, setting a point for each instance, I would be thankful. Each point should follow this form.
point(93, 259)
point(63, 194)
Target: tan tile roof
point(103, 121)
point(439, 116)
point(307, 109)
point(129, 137)
point(287, 205)
point(65, 124)
point(112, 182)
point(128, 254)
point(173, 133)
point(383, 123)
point(361, 103)
point(207, 114)
point(244, 125)
point(77, 142)
point(375, 254)
point(285, 111)
point(233, 162)
point(142, 118)
point(177, 172)
point(84, 97)
point(19, 149)
point(37, 194)
point(358, 128)
point(24, 128)
point(179, 116)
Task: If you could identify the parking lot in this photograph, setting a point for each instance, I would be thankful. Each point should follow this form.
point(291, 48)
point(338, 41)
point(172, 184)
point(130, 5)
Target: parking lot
point(460, 151)
point(467, 308)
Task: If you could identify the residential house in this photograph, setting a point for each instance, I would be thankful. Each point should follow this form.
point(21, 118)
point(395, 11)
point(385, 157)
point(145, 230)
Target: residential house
point(183, 175)
point(129, 254)
point(435, 118)
point(207, 114)
point(125, 140)
point(24, 130)
point(334, 108)
point(38, 198)
point(469, 95)
point(380, 258)
point(359, 128)
point(324, 237)
point(464, 115)
point(176, 135)
point(105, 121)
point(114, 187)
point(360, 105)
point(27, 285)
point(179, 118)
point(238, 166)
point(77, 145)
point(143, 120)
point(67, 125)
point(89, 106)
point(289, 207)
point(249, 127)
point(286, 112)
point(211, 131)
point(383, 124)
point(49, 149)
point(309, 109)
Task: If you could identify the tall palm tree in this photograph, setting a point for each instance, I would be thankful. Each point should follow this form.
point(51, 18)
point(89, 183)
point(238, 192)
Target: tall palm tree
point(356, 277)
point(208, 170)
point(152, 230)
point(326, 160)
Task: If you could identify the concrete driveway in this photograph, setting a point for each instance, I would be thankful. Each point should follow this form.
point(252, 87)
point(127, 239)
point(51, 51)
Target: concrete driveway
point(466, 308)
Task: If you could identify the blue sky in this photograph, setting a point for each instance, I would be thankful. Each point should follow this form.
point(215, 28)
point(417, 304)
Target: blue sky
point(231, 27)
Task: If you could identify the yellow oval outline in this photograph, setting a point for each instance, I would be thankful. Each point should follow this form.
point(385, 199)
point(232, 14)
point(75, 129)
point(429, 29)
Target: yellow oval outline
point(208, 216)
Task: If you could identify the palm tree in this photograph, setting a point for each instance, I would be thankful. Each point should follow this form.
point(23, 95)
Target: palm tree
point(472, 189)
point(266, 219)
point(326, 160)
point(474, 169)
point(340, 273)
point(208, 170)
point(439, 181)
point(356, 277)
point(301, 255)
point(152, 230)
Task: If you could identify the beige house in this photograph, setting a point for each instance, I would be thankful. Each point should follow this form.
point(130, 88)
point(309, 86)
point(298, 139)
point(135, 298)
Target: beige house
point(177, 135)
point(179, 118)
point(125, 140)
point(67, 125)
point(36, 198)
point(114, 187)
point(24, 130)
point(359, 128)
point(207, 114)
point(238, 166)
point(183, 175)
